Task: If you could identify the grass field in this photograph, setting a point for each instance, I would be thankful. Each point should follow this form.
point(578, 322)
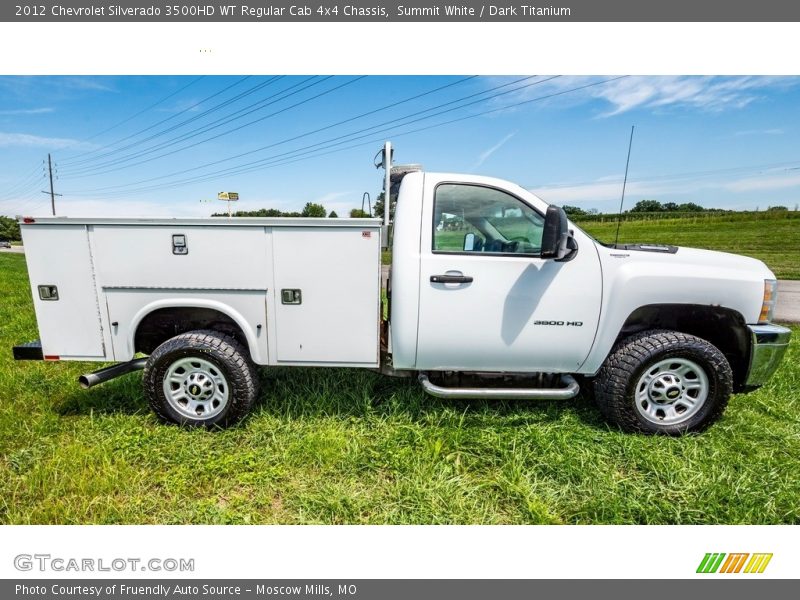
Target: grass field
point(775, 238)
point(347, 446)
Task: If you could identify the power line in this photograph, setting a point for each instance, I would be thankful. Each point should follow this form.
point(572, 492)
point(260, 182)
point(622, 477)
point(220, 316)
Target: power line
point(72, 162)
point(354, 133)
point(256, 165)
point(287, 140)
point(393, 123)
point(172, 128)
point(313, 149)
point(19, 198)
point(35, 202)
point(23, 191)
point(315, 153)
point(25, 181)
point(85, 171)
point(24, 199)
point(393, 104)
point(306, 134)
point(144, 110)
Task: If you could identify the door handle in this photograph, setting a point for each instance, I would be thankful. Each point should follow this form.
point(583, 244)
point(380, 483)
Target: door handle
point(451, 279)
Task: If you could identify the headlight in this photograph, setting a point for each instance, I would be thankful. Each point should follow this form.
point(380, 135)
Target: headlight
point(770, 298)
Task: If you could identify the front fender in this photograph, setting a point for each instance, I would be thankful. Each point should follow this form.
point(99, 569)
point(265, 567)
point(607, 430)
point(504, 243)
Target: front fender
point(634, 279)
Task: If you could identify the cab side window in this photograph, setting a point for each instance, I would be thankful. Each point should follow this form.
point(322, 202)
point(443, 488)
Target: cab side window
point(476, 219)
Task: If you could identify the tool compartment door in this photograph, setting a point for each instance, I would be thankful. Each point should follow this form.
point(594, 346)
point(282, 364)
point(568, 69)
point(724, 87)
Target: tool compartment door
point(69, 326)
point(327, 295)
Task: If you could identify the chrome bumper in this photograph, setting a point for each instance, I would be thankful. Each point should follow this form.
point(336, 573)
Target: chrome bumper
point(768, 344)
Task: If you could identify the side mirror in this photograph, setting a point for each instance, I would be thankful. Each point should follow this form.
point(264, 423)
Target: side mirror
point(556, 238)
point(469, 242)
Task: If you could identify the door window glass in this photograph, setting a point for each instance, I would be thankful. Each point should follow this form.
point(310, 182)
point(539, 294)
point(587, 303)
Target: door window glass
point(477, 219)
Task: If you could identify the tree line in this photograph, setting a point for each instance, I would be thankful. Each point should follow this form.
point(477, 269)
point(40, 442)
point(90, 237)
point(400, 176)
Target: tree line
point(654, 206)
point(9, 229)
point(311, 209)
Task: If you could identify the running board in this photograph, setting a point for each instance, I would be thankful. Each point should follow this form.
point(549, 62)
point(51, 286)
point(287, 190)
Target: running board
point(570, 390)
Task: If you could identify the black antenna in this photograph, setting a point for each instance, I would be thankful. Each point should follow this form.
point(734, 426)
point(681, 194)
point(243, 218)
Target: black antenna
point(624, 183)
point(364, 196)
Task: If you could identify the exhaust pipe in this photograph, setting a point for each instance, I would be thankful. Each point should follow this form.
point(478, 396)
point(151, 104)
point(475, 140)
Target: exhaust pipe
point(570, 390)
point(102, 375)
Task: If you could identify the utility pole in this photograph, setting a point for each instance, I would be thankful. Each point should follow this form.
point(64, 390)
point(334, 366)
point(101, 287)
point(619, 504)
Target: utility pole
point(386, 163)
point(51, 192)
point(387, 191)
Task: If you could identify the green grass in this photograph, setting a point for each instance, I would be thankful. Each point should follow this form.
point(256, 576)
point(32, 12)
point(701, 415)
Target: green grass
point(348, 446)
point(774, 239)
point(771, 237)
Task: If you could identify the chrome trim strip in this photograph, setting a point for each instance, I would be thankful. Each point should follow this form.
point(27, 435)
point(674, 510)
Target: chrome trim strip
point(180, 289)
point(570, 391)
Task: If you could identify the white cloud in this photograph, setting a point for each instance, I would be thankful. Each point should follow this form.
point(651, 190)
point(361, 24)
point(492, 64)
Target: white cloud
point(763, 183)
point(75, 206)
point(117, 207)
point(489, 151)
point(340, 202)
point(35, 141)
point(775, 131)
point(56, 87)
point(31, 204)
point(66, 207)
point(100, 84)
point(330, 197)
point(599, 191)
point(25, 111)
point(707, 93)
point(188, 105)
point(604, 191)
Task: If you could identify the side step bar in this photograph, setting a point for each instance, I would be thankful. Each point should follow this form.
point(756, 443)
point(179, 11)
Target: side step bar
point(102, 375)
point(570, 390)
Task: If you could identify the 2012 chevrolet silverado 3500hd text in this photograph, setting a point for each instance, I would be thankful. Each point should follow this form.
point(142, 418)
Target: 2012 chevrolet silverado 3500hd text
point(492, 294)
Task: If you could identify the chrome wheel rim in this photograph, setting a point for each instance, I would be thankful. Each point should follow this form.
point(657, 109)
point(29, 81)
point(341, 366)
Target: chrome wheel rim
point(671, 391)
point(196, 388)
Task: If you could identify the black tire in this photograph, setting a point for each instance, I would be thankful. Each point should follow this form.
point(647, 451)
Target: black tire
point(214, 366)
point(640, 390)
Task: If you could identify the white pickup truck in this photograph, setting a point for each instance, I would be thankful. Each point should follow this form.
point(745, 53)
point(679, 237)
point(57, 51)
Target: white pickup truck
point(492, 294)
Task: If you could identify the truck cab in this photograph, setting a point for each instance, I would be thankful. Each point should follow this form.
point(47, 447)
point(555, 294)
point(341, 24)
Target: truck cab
point(477, 292)
point(495, 280)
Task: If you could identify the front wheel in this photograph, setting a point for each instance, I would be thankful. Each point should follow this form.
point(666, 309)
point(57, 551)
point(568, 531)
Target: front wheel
point(200, 378)
point(663, 382)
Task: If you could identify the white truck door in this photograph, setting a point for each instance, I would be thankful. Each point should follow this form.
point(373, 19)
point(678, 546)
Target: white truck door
point(487, 301)
point(327, 295)
point(69, 319)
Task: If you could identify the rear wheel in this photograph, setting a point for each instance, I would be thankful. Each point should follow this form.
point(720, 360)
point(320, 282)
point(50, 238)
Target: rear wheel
point(200, 378)
point(663, 382)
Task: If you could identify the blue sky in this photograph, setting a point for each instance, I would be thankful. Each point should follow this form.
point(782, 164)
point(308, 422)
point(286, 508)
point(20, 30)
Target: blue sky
point(135, 145)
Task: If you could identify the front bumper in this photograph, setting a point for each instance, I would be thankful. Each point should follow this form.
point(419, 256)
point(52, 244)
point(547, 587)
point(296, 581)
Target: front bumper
point(768, 344)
